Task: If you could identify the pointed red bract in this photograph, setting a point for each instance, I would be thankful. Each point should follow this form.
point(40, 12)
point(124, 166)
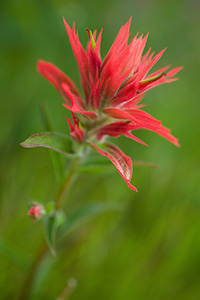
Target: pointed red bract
point(122, 163)
point(119, 128)
point(76, 104)
point(113, 89)
point(144, 120)
point(76, 133)
point(56, 77)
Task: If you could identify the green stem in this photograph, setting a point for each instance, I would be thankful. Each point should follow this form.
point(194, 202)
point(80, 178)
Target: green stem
point(67, 183)
point(26, 288)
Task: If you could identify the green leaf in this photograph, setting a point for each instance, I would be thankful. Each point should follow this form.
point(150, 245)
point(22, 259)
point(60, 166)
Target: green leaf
point(52, 140)
point(50, 230)
point(84, 214)
point(50, 207)
point(51, 225)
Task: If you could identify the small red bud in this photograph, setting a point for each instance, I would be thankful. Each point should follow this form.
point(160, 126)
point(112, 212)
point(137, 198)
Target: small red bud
point(36, 211)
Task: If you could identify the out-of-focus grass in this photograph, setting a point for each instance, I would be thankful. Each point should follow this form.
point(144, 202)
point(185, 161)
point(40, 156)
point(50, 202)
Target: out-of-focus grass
point(152, 249)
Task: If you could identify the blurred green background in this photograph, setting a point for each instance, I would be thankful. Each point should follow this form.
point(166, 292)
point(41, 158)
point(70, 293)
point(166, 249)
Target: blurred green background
point(149, 250)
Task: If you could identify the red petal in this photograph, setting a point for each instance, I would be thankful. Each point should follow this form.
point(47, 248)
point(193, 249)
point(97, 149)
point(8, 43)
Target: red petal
point(98, 43)
point(143, 119)
point(75, 105)
point(80, 56)
point(119, 44)
point(148, 66)
point(56, 77)
point(163, 79)
point(164, 132)
point(119, 114)
point(133, 137)
point(174, 71)
point(157, 72)
point(136, 52)
point(71, 127)
point(150, 123)
point(120, 65)
point(122, 163)
point(76, 133)
point(95, 95)
point(119, 128)
point(133, 102)
point(115, 72)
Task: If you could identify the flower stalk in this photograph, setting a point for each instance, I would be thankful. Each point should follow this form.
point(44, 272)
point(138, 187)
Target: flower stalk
point(70, 177)
point(43, 250)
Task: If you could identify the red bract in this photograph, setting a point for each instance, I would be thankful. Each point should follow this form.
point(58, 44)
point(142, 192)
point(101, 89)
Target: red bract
point(76, 133)
point(112, 88)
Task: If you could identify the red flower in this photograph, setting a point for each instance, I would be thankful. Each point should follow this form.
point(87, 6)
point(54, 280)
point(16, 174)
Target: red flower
point(113, 88)
point(36, 211)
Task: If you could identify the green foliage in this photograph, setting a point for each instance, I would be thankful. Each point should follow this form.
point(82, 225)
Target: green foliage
point(52, 140)
point(52, 222)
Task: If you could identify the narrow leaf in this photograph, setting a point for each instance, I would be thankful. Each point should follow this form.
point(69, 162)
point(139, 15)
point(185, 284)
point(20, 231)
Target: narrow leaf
point(51, 225)
point(50, 230)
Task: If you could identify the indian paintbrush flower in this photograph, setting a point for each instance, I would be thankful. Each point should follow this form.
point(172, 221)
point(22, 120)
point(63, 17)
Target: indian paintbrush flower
point(113, 88)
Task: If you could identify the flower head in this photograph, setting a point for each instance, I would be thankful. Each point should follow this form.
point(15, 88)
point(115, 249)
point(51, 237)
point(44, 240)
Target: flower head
point(113, 89)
